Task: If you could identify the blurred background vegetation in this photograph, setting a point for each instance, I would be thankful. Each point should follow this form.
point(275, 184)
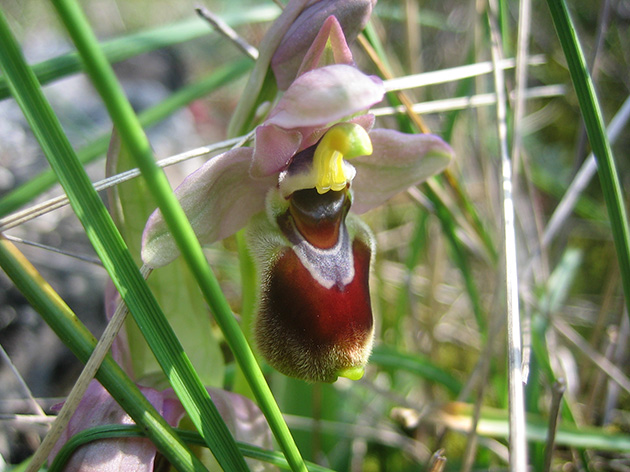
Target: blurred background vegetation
point(437, 283)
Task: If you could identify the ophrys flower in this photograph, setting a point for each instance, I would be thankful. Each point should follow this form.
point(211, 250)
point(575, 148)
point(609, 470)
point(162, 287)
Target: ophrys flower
point(316, 160)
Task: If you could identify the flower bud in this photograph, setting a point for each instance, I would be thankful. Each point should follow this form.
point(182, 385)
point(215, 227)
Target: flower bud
point(353, 15)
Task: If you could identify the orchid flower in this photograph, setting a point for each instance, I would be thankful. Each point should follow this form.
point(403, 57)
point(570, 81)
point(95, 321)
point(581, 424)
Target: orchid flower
point(97, 407)
point(315, 164)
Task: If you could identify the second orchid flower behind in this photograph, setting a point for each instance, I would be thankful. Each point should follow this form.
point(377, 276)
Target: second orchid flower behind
point(299, 195)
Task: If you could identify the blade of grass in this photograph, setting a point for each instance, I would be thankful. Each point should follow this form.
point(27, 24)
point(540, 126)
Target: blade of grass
point(131, 204)
point(454, 73)
point(226, 30)
point(583, 177)
point(249, 289)
point(388, 357)
point(558, 391)
point(116, 258)
point(494, 423)
point(76, 336)
point(25, 391)
point(466, 102)
point(458, 252)
point(550, 301)
point(403, 301)
point(589, 106)
point(522, 51)
point(133, 136)
point(516, 403)
point(149, 117)
point(615, 374)
point(376, 434)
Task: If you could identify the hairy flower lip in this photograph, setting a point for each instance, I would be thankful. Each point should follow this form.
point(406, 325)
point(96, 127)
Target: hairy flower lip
point(314, 320)
point(316, 332)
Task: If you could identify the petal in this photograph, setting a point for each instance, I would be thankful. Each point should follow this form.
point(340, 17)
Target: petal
point(399, 161)
point(218, 199)
point(367, 121)
point(172, 409)
point(323, 96)
point(98, 408)
point(274, 149)
point(352, 15)
point(329, 47)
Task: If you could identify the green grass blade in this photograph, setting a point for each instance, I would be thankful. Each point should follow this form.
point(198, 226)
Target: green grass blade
point(406, 125)
point(388, 357)
point(416, 247)
point(149, 117)
point(596, 131)
point(249, 289)
point(132, 45)
point(115, 256)
point(134, 138)
point(81, 342)
point(550, 301)
point(494, 423)
point(459, 255)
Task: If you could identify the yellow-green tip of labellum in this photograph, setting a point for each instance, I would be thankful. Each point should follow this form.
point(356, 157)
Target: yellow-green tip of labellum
point(342, 141)
point(352, 373)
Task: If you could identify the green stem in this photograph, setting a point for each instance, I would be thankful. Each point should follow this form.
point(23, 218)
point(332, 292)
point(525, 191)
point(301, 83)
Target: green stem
point(249, 295)
point(461, 258)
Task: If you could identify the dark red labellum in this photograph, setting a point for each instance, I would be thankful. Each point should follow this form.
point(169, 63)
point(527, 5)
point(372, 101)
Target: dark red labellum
point(315, 314)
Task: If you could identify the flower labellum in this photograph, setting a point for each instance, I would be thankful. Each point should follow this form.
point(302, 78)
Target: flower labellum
point(315, 318)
